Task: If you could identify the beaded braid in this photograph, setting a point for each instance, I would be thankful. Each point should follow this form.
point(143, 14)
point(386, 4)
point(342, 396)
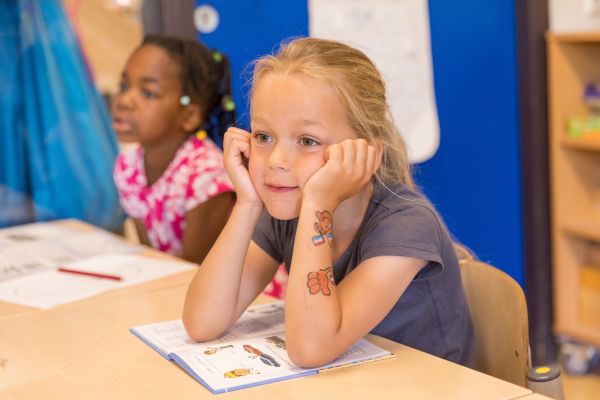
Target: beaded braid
point(206, 81)
point(223, 115)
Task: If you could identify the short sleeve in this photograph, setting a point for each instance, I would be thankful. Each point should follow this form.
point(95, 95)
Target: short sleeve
point(118, 172)
point(129, 182)
point(264, 236)
point(410, 232)
point(206, 177)
point(206, 185)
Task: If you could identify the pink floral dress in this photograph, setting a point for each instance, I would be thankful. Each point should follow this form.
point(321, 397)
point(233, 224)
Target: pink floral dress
point(278, 284)
point(195, 175)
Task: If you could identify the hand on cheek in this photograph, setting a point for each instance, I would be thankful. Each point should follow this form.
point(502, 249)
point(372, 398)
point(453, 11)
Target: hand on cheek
point(349, 165)
point(236, 154)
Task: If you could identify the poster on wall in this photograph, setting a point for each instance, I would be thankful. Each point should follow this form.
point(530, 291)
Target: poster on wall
point(395, 35)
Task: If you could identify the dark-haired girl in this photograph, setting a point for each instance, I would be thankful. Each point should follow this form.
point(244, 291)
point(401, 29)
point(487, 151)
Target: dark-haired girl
point(174, 103)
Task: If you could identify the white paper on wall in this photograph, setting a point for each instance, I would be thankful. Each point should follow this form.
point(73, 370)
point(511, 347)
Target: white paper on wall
point(395, 35)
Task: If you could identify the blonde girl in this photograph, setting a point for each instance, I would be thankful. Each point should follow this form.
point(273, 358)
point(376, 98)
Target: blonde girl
point(323, 183)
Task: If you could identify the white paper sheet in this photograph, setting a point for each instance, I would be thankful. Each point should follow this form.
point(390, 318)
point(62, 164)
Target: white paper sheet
point(50, 288)
point(395, 36)
point(34, 248)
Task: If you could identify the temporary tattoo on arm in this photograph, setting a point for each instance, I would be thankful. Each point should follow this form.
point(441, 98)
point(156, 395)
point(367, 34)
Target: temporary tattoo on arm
point(324, 228)
point(320, 281)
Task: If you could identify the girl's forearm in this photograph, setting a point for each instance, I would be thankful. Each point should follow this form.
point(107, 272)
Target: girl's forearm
point(313, 311)
point(212, 298)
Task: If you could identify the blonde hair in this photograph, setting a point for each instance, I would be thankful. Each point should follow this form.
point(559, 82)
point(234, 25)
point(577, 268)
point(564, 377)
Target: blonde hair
point(361, 90)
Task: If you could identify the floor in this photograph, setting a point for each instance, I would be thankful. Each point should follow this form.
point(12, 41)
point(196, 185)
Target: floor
point(585, 387)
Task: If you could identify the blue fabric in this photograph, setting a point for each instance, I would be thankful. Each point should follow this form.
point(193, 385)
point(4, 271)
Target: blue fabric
point(57, 147)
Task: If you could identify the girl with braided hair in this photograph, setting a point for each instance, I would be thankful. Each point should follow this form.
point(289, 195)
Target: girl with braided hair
point(174, 103)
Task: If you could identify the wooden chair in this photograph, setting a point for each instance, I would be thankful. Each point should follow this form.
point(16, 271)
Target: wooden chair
point(499, 313)
point(463, 253)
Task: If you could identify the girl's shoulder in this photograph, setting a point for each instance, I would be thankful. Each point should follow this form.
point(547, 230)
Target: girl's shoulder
point(397, 197)
point(198, 172)
point(403, 209)
point(401, 221)
point(129, 158)
point(200, 153)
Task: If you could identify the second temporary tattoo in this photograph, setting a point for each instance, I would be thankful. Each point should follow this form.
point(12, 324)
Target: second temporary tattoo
point(320, 281)
point(324, 228)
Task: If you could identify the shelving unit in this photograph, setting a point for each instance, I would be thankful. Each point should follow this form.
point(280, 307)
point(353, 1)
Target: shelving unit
point(573, 61)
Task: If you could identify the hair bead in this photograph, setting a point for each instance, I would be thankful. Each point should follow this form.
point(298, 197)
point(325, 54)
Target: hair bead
point(185, 100)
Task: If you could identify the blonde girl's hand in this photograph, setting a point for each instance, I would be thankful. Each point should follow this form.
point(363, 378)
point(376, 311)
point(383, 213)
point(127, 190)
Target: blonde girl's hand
point(236, 143)
point(349, 166)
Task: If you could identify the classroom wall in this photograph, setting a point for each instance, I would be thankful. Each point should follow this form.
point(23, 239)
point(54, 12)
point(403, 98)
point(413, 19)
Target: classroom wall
point(474, 179)
point(571, 16)
point(249, 29)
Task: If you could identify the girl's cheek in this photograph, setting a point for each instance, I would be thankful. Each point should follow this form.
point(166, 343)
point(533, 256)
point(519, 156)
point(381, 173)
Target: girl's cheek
point(254, 166)
point(317, 159)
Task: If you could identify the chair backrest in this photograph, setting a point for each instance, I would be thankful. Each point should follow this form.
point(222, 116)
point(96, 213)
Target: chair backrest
point(499, 312)
point(463, 253)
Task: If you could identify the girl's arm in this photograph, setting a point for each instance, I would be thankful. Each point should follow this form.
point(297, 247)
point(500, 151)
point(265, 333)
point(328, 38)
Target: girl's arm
point(141, 232)
point(203, 224)
point(235, 270)
point(323, 320)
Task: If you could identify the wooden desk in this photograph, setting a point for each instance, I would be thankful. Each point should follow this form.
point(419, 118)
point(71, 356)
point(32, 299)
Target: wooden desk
point(84, 350)
point(532, 396)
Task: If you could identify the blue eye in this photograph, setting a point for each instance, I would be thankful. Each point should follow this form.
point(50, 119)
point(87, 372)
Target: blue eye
point(308, 142)
point(262, 137)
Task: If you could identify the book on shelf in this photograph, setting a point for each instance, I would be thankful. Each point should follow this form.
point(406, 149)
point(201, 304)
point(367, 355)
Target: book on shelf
point(252, 352)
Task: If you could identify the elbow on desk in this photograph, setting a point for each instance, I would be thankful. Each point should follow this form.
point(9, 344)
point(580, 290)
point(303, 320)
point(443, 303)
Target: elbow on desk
point(307, 355)
point(200, 331)
point(201, 336)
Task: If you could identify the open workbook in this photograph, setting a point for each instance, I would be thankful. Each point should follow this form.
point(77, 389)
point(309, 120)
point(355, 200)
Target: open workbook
point(252, 352)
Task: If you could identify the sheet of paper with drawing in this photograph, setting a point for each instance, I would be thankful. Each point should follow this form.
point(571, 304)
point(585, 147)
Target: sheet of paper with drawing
point(51, 287)
point(38, 247)
point(253, 352)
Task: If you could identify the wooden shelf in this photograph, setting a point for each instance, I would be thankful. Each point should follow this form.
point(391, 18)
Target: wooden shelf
point(590, 277)
point(583, 37)
point(573, 61)
point(589, 296)
point(581, 144)
point(583, 229)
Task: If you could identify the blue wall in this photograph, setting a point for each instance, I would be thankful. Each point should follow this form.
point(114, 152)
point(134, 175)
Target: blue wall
point(474, 179)
point(250, 29)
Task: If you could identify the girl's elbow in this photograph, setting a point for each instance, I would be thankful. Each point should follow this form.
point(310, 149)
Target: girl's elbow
point(192, 329)
point(200, 335)
point(308, 355)
point(197, 330)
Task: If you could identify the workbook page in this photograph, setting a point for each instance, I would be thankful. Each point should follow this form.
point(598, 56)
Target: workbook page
point(242, 363)
point(170, 336)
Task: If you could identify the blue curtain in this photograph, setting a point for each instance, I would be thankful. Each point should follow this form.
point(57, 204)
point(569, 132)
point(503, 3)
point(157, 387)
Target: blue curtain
point(57, 148)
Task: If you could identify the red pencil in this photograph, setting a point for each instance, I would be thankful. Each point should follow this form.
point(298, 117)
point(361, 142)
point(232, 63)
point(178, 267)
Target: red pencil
point(92, 274)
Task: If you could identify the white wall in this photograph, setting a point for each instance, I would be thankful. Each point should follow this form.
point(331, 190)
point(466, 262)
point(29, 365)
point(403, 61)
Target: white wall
point(570, 16)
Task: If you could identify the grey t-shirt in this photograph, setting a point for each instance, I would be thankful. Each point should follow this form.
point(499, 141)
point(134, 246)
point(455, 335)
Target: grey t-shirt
point(432, 313)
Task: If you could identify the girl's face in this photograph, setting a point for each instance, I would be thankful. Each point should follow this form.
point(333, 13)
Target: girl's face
point(294, 119)
point(147, 108)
